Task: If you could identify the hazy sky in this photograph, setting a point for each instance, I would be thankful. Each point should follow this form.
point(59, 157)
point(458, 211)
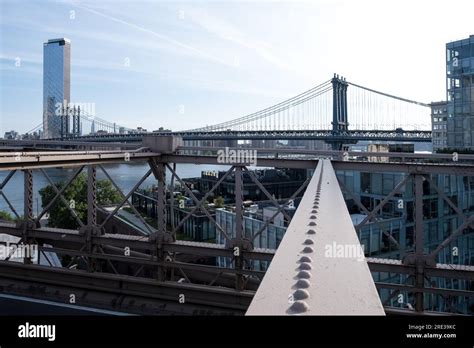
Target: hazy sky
point(218, 60)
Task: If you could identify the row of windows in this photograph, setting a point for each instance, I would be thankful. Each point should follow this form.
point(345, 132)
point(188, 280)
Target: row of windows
point(440, 111)
point(439, 126)
point(439, 119)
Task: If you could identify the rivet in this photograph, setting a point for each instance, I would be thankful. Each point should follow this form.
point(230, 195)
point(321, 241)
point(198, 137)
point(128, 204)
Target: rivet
point(304, 274)
point(300, 294)
point(312, 223)
point(299, 307)
point(305, 259)
point(308, 250)
point(303, 284)
point(312, 217)
point(311, 232)
point(305, 266)
point(308, 242)
point(314, 211)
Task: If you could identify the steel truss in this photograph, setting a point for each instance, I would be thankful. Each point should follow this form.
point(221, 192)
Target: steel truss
point(154, 253)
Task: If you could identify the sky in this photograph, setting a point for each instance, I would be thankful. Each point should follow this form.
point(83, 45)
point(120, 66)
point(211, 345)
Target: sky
point(183, 65)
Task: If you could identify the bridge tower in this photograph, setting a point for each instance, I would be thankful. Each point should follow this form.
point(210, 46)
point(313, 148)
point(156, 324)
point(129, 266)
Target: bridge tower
point(339, 122)
point(76, 122)
point(64, 121)
point(339, 104)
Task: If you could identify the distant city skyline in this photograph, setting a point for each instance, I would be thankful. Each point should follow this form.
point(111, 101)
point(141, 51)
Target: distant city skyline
point(188, 64)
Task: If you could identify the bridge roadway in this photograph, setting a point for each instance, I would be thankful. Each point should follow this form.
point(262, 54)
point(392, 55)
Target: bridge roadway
point(327, 135)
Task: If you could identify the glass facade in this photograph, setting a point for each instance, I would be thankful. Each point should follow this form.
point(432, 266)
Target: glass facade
point(270, 237)
point(56, 84)
point(392, 234)
point(460, 93)
point(439, 125)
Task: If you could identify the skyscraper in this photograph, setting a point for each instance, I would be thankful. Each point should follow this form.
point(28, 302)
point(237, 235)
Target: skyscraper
point(460, 93)
point(56, 86)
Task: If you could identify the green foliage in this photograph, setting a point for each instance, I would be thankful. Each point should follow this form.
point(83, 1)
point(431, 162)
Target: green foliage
point(6, 216)
point(76, 196)
point(219, 202)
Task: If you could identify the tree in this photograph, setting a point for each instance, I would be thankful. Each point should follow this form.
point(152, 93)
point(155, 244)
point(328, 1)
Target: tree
point(6, 216)
point(76, 197)
point(219, 202)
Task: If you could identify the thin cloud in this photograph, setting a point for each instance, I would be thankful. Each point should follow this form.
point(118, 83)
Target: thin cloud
point(167, 39)
point(229, 33)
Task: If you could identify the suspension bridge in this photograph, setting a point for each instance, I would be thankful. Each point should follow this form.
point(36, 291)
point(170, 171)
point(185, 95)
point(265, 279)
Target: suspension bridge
point(336, 111)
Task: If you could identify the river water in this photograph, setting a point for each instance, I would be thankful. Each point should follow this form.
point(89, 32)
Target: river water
point(124, 175)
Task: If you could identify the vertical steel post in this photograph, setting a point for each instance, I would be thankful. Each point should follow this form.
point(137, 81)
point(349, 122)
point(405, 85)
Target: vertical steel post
point(340, 116)
point(335, 102)
point(28, 195)
point(91, 196)
point(91, 226)
point(238, 225)
point(344, 106)
point(161, 214)
point(27, 209)
point(419, 242)
point(172, 217)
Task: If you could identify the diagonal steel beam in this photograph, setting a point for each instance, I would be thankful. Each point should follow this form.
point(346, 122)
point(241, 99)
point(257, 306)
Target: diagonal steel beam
point(265, 191)
point(384, 201)
point(196, 207)
point(68, 182)
point(12, 208)
point(66, 203)
point(204, 210)
point(452, 236)
point(137, 185)
point(7, 179)
point(446, 198)
point(293, 196)
point(123, 196)
point(364, 209)
point(2, 185)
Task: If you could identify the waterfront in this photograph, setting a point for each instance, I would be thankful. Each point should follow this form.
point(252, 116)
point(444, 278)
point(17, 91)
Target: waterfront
point(124, 175)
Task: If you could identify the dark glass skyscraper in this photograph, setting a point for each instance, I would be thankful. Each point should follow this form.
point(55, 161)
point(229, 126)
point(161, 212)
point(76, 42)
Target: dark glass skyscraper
point(56, 85)
point(460, 93)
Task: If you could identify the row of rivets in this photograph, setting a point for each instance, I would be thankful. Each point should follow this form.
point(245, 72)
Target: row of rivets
point(304, 268)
